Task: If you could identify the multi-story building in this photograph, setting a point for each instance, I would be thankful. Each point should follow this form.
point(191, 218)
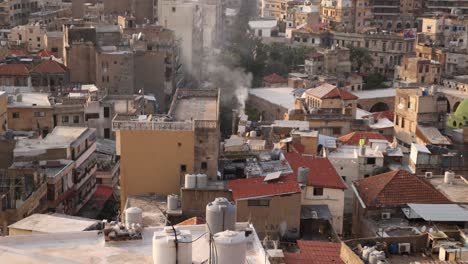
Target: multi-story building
point(338, 14)
point(185, 18)
point(415, 70)
point(142, 10)
point(66, 153)
point(395, 14)
point(447, 6)
point(334, 61)
point(31, 36)
point(305, 14)
point(50, 76)
point(16, 12)
point(185, 140)
point(30, 112)
point(416, 110)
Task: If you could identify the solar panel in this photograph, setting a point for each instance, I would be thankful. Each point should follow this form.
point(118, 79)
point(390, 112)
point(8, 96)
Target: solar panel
point(272, 176)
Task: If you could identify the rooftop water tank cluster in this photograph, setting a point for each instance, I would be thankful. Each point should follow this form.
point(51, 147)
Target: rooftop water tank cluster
point(196, 181)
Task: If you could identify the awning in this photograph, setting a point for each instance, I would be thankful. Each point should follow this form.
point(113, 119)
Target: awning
point(440, 212)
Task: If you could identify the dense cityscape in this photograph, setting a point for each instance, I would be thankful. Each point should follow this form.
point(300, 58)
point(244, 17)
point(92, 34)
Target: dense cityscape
point(234, 131)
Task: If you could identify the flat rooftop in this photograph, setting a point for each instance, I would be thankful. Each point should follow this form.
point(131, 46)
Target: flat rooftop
point(280, 96)
point(153, 207)
point(53, 223)
point(90, 247)
point(195, 108)
point(31, 100)
point(377, 93)
point(456, 192)
point(352, 152)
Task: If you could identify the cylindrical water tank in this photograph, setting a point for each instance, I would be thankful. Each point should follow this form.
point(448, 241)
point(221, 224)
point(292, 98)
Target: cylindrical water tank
point(303, 175)
point(202, 181)
point(133, 215)
point(366, 252)
point(231, 247)
point(164, 247)
point(172, 202)
point(190, 181)
point(220, 216)
point(449, 177)
point(375, 256)
point(253, 133)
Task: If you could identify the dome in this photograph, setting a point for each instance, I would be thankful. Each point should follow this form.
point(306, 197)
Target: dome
point(460, 117)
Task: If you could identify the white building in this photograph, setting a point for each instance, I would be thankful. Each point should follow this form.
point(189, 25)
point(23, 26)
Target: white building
point(186, 19)
point(264, 28)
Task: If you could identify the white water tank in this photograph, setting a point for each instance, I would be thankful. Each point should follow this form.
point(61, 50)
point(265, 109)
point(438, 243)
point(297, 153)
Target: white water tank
point(202, 181)
point(303, 175)
point(231, 247)
point(253, 134)
point(449, 177)
point(172, 202)
point(220, 216)
point(133, 215)
point(190, 181)
point(366, 252)
point(376, 256)
point(164, 247)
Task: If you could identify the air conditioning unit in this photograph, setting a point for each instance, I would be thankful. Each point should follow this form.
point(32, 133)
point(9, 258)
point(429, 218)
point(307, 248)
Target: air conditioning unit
point(386, 215)
point(428, 174)
point(404, 248)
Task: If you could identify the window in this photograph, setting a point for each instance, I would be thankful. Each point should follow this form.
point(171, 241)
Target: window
point(173, 9)
point(65, 119)
point(370, 161)
point(402, 122)
point(91, 116)
point(183, 168)
point(54, 49)
point(336, 130)
point(318, 191)
point(106, 132)
point(204, 165)
point(106, 112)
point(16, 115)
point(262, 202)
point(344, 178)
point(39, 114)
point(76, 119)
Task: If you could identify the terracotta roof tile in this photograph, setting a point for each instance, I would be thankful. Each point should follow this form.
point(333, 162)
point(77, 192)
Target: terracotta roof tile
point(315, 252)
point(14, 70)
point(354, 137)
point(45, 53)
point(314, 55)
point(340, 93)
point(256, 186)
point(321, 171)
point(19, 52)
point(274, 78)
point(397, 188)
point(328, 91)
point(50, 66)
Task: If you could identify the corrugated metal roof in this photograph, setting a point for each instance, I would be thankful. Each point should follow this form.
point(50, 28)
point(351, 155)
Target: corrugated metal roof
point(440, 212)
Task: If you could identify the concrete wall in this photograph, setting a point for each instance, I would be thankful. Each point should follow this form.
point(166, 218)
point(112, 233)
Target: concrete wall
point(194, 201)
point(151, 161)
point(53, 42)
point(81, 60)
point(27, 120)
point(3, 112)
point(268, 110)
point(114, 72)
point(333, 198)
point(267, 219)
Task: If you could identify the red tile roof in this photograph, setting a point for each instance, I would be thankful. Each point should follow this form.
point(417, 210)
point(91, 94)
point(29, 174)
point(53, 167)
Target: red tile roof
point(257, 187)
point(397, 188)
point(101, 195)
point(45, 53)
point(321, 173)
point(19, 52)
point(274, 78)
point(354, 137)
point(314, 55)
point(14, 70)
point(50, 67)
point(192, 221)
point(315, 252)
point(340, 93)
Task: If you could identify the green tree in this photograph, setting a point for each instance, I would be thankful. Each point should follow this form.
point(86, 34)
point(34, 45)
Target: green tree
point(360, 57)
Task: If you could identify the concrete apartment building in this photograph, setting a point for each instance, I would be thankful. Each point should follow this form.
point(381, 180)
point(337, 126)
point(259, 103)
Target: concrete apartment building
point(30, 112)
point(15, 12)
point(53, 41)
point(67, 152)
point(162, 149)
point(185, 18)
point(333, 61)
point(32, 36)
point(338, 14)
point(416, 70)
point(24, 192)
point(447, 6)
point(3, 112)
point(416, 109)
point(142, 10)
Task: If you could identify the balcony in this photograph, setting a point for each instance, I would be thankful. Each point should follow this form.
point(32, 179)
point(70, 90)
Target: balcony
point(133, 122)
point(82, 180)
point(85, 155)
